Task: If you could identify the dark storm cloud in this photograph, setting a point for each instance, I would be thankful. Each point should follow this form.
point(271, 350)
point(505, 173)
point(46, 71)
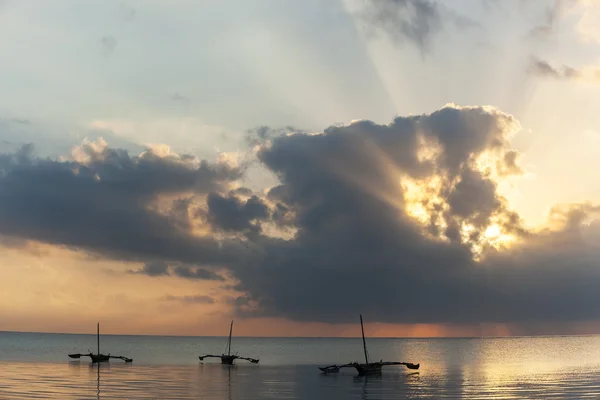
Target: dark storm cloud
point(185, 271)
point(418, 21)
point(474, 198)
point(105, 203)
point(154, 268)
point(357, 250)
point(386, 220)
point(365, 251)
point(230, 213)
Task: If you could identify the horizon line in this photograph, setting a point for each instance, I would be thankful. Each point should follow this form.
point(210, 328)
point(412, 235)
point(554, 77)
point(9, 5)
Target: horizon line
point(314, 337)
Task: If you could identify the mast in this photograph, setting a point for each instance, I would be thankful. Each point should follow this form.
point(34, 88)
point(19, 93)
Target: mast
point(98, 337)
point(363, 338)
point(229, 342)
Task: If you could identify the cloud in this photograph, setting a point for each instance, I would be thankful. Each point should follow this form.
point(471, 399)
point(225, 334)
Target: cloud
point(127, 12)
point(107, 202)
point(230, 213)
point(161, 268)
point(109, 44)
point(155, 268)
point(417, 21)
point(583, 13)
point(195, 299)
point(180, 98)
point(20, 121)
point(185, 271)
point(548, 27)
point(403, 222)
point(544, 69)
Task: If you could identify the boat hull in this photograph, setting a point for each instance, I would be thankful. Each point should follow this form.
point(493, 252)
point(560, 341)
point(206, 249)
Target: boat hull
point(98, 358)
point(368, 369)
point(227, 360)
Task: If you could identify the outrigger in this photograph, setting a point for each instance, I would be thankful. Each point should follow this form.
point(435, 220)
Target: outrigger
point(99, 357)
point(368, 368)
point(229, 358)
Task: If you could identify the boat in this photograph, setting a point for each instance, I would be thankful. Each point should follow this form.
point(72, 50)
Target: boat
point(99, 357)
point(229, 358)
point(368, 367)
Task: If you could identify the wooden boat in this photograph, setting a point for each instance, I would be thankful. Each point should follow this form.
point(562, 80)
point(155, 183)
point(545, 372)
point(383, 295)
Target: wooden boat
point(229, 358)
point(366, 368)
point(99, 357)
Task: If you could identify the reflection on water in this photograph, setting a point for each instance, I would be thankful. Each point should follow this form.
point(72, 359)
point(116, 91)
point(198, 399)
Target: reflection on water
point(219, 382)
point(520, 368)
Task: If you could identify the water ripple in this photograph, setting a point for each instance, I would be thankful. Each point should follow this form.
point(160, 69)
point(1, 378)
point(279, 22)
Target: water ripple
point(33, 366)
point(217, 382)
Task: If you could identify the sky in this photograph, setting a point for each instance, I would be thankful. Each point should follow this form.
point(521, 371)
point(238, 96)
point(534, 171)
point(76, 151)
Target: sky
point(166, 167)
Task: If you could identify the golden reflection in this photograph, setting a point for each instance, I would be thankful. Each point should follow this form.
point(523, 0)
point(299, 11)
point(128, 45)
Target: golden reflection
point(229, 367)
point(549, 367)
point(98, 369)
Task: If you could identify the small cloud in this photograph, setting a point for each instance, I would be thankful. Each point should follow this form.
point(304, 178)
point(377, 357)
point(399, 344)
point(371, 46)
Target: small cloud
point(510, 164)
point(417, 21)
point(127, 12)
point(109, 43)
point(154, 268)
point(160, 268)
point(180, 98)
point(185, 271)
point(195, 299)
point(544, 69)
point(548, 26)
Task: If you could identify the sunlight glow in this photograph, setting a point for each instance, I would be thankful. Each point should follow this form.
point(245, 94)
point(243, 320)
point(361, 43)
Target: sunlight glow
point(428, 150)
point(493, 231)
point(422, 199)
point(496, 238)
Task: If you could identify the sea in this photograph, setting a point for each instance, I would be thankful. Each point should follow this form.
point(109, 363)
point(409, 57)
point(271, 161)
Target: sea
point(36, 366)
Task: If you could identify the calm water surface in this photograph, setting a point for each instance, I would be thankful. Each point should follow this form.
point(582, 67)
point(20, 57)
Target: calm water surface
point(37, 366)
